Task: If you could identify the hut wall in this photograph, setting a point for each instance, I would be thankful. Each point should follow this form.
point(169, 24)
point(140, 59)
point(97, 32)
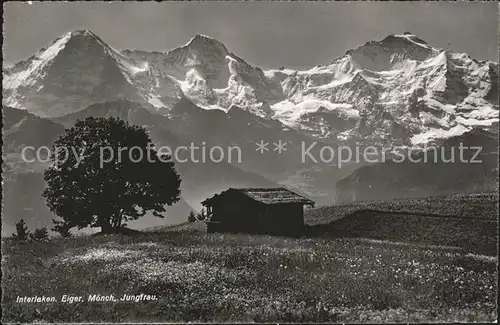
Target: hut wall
point(234, 213)
point(284, 218)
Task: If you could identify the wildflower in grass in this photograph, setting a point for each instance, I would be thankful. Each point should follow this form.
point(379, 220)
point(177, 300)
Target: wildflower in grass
point(97, 254)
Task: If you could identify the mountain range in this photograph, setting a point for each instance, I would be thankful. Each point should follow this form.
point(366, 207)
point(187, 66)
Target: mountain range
point(398, 91)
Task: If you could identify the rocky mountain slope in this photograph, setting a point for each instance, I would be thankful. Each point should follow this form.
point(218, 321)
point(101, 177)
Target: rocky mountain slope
point(23, 181)
point(442, 170)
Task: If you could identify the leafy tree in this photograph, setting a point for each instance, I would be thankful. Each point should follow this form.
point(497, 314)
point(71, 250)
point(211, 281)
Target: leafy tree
point(22, 233)
point(40, 234)
point(62, 228)
point(191, 217)
point(106, 182)
point(202, 215)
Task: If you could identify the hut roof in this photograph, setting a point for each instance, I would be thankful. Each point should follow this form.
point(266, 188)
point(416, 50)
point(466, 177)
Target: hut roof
point(266, 196)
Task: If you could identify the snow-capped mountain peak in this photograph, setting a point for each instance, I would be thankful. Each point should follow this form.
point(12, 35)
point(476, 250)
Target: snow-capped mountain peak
point(397, 88)
point(206, 43)
point(79, 69)
point(24, 73)
point(392, 52)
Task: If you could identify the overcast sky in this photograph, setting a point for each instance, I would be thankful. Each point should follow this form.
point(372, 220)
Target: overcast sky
point(291, 34)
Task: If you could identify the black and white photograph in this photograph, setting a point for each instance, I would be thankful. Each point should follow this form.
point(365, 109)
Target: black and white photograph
point(250, 162)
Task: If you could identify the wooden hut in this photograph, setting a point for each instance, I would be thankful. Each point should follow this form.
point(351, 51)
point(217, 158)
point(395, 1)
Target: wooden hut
point(257, 210)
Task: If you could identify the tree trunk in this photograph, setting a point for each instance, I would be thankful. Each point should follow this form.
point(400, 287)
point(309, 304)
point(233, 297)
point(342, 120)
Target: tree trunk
point(116, 221)
point(106, 227)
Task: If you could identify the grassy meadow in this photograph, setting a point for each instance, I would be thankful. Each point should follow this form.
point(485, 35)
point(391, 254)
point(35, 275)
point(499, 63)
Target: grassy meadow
point(468, 223)
point(476, 206)
point(245, 278)
point(411, 260)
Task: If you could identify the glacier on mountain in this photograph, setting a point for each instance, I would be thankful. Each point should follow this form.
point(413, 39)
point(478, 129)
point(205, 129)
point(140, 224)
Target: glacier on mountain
point(398, 88)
